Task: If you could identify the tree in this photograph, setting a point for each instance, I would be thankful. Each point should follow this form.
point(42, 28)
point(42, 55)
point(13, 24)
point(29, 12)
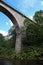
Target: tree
point(12, 33)
point(38, 17)
point(2, 41)
point(34, 31)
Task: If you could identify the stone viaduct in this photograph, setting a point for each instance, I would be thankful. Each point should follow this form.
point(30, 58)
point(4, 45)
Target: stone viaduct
point(17, 19)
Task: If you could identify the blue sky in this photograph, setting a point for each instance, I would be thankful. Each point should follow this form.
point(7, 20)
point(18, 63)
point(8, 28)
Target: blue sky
point(5, 24)
point(27, 7)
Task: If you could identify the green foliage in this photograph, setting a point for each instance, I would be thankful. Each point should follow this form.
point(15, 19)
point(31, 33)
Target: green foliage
point(34, 37)
point(33, 40)
point(2, 41)
point(12, 33)
point(32, 51)
point(26, 22)
point(38, 17)
point(7, 46)
point(34, 34)
point(34, 31)
point(6, 52)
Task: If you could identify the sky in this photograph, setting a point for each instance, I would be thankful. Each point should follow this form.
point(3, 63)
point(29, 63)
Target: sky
point(27, 7)
point(5, 24)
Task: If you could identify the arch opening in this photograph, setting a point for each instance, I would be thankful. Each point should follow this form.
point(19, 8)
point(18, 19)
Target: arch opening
point(5, 24)
point(10, 16)
point(13, 20)
point(7, 30)
point(17, 29)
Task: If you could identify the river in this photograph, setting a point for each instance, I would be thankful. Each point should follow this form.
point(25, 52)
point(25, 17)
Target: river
point(20, 62)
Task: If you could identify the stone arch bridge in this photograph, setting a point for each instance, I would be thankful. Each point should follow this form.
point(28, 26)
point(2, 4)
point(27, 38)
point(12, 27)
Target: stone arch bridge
point(17, 19)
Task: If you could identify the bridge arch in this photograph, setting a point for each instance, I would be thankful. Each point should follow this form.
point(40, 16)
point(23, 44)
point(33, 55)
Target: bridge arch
point(10, 16)
point(14, 21)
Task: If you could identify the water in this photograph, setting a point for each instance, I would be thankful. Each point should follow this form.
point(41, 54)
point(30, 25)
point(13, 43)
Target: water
point(20, 62)
point(5, 62)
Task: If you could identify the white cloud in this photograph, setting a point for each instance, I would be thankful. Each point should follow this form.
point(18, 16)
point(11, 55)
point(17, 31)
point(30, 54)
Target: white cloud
point(41, 2)
point(3, 32)
point(11, 23)
point(31, 17)
point(7, 23)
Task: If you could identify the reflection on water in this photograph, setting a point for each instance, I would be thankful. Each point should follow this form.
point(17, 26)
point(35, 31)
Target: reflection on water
point(5, 62)
point(21, 62)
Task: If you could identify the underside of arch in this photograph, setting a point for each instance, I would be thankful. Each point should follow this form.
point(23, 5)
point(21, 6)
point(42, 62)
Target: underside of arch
point(7, 13)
